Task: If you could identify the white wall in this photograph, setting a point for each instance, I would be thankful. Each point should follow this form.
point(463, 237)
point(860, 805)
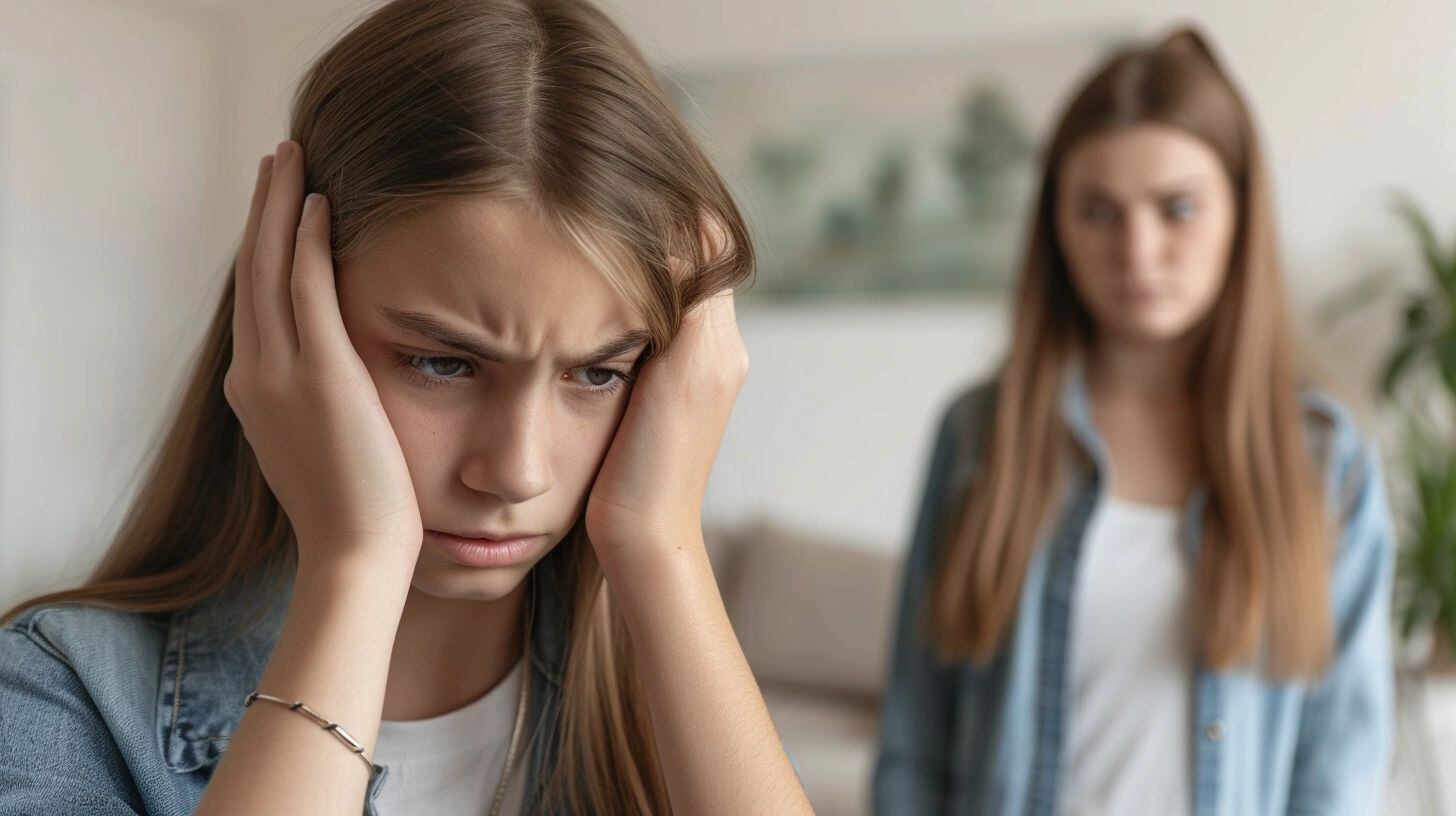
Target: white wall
point(838, 412)
point(112, 229)
point(133, 128)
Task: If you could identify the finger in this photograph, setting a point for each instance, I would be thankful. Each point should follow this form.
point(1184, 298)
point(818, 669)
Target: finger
point(245, 329)
point(726, 303)
point(315, 297)
point(708, 329)
point(716, 311)
point(273, 256)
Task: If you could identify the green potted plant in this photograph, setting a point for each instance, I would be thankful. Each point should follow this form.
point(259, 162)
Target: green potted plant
point(1419, 382)
point(1427, 565)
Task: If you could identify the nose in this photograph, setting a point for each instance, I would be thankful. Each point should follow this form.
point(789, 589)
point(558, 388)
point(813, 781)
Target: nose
point(511, 459)
point(1140, 240)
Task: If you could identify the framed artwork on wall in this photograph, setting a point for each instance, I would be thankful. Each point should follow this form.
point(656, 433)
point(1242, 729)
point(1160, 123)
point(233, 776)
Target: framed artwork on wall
point(888, 176)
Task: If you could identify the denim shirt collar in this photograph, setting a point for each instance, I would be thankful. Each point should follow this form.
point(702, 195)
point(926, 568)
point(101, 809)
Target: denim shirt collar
point(1076, 408)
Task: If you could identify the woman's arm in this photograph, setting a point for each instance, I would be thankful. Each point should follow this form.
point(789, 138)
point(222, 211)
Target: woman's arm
point(912, 774)
point(313, 418)
point(1342, 757)
point(719, 751)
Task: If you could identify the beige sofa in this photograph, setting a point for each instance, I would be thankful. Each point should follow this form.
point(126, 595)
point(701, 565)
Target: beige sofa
point(814, 618)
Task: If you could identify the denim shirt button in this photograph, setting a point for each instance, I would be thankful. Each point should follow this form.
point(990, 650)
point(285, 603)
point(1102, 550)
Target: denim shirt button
point(1214, 731)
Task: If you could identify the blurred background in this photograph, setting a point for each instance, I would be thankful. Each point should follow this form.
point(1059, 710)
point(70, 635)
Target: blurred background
point(884, 152)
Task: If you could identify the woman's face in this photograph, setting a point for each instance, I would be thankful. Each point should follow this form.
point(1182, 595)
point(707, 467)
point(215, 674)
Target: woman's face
point(1145, 218)
point(503, 359)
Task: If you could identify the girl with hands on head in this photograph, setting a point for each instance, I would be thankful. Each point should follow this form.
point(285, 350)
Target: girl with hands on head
point(432, 496)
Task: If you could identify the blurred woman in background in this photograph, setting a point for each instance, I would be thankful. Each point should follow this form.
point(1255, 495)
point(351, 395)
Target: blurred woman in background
point(1150, 572)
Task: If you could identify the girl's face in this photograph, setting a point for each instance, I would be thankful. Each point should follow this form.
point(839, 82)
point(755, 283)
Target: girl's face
point(1145, 218)
point(503, 359)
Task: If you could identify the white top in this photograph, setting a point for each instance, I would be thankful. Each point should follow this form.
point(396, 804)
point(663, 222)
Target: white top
point(1129, 748)
point(451, 764)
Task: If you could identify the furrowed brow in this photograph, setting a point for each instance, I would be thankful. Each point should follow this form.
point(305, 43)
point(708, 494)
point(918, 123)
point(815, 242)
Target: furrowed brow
point(432, 329)
point(631, 341)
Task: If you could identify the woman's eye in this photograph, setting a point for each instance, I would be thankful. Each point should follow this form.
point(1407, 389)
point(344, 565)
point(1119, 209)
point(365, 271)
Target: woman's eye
point(599, 376)
point(1180, 209)
point(596, 378)
point(1098, 214)
point(433, 370)
point(441, 366)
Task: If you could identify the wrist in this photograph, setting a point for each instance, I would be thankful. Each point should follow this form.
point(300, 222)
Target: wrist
point(653, 553)
point(352, 555)
point(642, 541)
point(377, 579)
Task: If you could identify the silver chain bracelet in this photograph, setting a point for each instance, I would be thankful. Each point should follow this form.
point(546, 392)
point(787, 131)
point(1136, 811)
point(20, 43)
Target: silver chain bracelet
point(321, 721)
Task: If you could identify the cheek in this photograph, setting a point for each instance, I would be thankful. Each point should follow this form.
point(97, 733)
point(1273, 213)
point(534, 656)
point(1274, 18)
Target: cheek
point(1079, 251)
point(425, 434)
point(1094, 278)
point(1208, 244)
point(588, 437)
point(1204, 260)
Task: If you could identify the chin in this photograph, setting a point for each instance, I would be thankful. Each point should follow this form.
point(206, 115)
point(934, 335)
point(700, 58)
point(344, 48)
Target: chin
point(1154, 334)
point(454, 582)
point(1154, 325)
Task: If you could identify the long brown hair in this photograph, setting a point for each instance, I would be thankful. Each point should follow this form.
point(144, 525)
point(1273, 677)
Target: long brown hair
point(544, 102)
point(1263, 569)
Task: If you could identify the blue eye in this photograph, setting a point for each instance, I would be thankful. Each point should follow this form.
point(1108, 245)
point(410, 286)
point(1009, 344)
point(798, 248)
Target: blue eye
point(599, 379)
point(1180, 209)
point(432, 371)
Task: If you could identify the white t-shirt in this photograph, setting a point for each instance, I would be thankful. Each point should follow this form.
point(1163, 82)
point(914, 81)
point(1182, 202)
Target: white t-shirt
point(1129, 747)
point(451, 764)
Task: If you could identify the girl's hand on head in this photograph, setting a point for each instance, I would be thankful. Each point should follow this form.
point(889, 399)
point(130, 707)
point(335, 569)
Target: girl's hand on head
point(304, 398)
point(649, 491)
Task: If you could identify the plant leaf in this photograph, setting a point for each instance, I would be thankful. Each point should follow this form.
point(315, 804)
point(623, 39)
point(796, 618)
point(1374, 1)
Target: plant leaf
point(1398, 362)
point(1441, 270)
point(1417, 313)
point(1446, 352)
point(1354, 297)
point(1411, 616)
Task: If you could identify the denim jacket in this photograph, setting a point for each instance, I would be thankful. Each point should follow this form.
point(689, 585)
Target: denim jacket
point(957, 738)
point(108, 713)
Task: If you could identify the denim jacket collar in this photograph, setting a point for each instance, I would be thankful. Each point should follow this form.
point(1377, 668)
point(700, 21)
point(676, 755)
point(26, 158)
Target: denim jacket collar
point(210, 665)
point(1076, 407)
point(216, 653)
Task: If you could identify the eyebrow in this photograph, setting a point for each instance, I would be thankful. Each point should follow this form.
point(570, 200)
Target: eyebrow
point(1190, 184)
point(430, 328)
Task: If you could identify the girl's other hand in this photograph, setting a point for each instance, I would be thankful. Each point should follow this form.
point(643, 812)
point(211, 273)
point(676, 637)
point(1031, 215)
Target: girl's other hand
point(649, 491)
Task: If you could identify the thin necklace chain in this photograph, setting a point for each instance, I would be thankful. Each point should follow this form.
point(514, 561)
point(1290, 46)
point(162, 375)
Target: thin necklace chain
point(511, 749)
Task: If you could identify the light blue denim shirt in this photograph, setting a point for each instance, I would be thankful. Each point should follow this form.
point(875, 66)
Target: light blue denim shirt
point(109, 713)
point(960, 739)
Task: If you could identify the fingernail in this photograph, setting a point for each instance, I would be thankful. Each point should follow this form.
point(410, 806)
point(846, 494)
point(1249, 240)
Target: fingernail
point(311, 203)
point(265, 167)
point(283, 149)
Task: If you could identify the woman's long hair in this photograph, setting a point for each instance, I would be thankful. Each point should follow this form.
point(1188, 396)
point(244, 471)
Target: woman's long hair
point(1263, 572)
point(542, 102)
